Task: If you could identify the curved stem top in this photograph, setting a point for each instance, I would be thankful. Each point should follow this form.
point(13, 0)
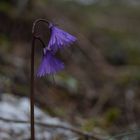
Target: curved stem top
point(36, 22)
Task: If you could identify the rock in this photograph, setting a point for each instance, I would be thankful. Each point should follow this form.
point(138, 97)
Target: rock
point(12, 107)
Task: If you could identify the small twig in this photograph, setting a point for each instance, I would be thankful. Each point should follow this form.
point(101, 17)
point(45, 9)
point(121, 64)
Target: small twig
point(137, 131)
point(72, 129)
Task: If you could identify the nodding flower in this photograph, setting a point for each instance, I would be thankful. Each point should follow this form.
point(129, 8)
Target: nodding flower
point(58, 40)
point(49, 64)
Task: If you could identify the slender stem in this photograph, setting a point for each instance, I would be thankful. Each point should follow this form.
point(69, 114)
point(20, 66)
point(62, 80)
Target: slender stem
point(32, 91)
point(38, 38)
point(32, 100)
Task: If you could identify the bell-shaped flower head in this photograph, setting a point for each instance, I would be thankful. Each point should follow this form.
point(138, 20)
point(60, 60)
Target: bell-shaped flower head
point(49, 64)
point(59, 38)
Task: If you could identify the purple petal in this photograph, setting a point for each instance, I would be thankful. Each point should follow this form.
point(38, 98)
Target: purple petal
point(49, 65)
point(59, 38)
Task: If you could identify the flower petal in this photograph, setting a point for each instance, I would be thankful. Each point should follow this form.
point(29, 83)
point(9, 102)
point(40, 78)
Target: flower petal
point(49, 65)
point(59, 39)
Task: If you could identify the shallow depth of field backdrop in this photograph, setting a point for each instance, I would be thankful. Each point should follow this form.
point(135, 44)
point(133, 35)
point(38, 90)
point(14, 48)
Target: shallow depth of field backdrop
point(99, 89)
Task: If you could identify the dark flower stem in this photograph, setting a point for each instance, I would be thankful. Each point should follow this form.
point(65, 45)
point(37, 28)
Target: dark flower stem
point(38, 38)
point(32, 91)
point(37, 22)
point(32, 99)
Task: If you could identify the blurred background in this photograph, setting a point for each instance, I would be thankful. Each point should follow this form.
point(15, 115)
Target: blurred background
point(99, 89)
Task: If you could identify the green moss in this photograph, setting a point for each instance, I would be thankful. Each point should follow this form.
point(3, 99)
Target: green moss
point(90, 124)
point(60, 112)
point(112, 115)
point(5, 7)
point(130, 76)
point(4, 43)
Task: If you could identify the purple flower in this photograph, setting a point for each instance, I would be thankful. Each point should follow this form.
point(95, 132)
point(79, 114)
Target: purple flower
point(49, 64)
point(59, 38)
